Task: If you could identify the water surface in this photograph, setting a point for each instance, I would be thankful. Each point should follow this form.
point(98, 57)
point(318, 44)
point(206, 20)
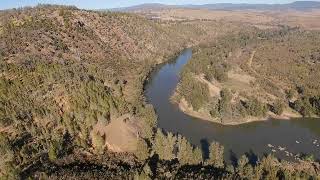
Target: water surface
point(297, 135)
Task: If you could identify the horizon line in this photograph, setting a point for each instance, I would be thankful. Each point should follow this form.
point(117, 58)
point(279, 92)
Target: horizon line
point(165, 4)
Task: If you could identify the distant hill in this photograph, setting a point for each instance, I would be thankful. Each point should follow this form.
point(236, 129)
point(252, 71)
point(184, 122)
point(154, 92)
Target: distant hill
point(144, 7)
point(298, 5)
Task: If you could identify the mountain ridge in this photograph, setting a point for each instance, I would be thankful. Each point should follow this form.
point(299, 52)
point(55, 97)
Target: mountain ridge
point(297, 5)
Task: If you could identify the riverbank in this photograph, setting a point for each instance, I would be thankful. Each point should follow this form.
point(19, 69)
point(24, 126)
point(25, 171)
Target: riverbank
point(204, 114)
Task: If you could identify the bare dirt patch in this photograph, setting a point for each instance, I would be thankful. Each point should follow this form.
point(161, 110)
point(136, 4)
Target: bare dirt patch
point(121, 134)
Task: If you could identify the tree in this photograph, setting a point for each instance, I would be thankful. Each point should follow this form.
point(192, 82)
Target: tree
point(142, 151)
point(164, 145)
point(224, 103)
point(255, 108)
point(197, 157)
point(98, 141)
point(270, 167)
point(186, 153)
point(216, 155)
point(244, 169)
point(149, 120)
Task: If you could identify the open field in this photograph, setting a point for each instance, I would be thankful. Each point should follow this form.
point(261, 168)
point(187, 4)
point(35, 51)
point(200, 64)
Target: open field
point(258, 18)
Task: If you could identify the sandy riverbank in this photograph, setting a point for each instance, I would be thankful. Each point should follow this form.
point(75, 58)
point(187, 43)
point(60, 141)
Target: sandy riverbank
point(203, 114)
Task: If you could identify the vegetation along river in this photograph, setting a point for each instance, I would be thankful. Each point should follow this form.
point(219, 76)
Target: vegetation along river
point(284, 138)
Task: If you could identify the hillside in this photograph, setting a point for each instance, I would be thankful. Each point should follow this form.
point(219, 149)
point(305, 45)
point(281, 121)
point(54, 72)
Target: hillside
point(72, 107)
point(73, 79)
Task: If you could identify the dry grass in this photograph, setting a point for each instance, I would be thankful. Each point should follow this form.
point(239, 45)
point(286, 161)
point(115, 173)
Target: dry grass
point(260, 19)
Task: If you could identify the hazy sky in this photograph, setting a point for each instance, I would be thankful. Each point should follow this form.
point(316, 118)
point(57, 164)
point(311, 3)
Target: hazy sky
point(100, 4)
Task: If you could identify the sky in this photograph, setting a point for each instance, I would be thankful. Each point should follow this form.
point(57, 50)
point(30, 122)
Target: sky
point(104, 4)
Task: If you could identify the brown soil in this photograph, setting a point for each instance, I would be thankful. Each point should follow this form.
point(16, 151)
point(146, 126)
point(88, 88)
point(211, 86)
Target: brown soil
point(121, 134)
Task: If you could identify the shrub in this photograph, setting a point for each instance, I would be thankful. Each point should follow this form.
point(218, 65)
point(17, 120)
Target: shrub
point(304, 107)
point(7, 166)
point(308, 157)
point(278, 107)
point(290, 93)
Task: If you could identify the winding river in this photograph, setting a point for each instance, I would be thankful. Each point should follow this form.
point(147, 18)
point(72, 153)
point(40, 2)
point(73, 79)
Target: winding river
point(254, 139)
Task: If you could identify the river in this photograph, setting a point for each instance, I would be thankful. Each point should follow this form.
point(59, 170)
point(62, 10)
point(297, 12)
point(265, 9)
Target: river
point(296, 135)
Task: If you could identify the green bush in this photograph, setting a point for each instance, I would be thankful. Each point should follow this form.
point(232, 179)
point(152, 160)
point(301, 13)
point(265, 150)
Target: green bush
point(278, 107)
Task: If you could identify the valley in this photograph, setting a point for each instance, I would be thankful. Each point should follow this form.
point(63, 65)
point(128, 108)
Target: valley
point(159, 93)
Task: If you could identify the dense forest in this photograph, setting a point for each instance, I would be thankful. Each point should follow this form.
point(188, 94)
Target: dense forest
point(66, 75)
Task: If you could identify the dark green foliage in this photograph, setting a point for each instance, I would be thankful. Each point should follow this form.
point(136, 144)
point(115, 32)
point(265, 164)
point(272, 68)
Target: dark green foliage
point(255, 108)
point(308, 157)
point(195, 92)
point(308, 105)
point(149, 116)
point(315, 102)
point(224, 103)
